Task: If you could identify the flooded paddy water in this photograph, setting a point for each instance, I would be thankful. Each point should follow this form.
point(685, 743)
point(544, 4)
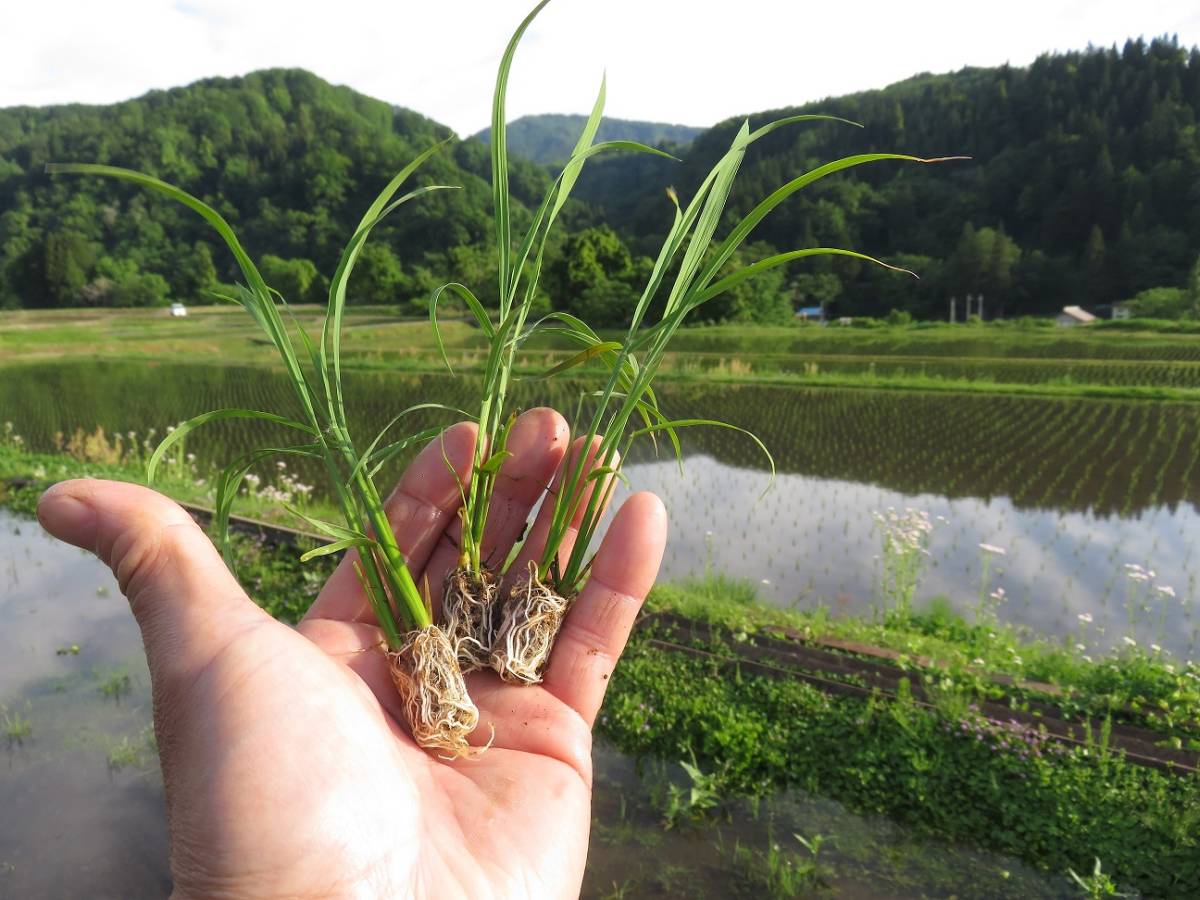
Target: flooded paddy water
point(82, 799)
point(1075, 491)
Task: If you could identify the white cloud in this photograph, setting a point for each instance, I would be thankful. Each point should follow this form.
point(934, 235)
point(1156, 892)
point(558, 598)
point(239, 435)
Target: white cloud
point(666, 59)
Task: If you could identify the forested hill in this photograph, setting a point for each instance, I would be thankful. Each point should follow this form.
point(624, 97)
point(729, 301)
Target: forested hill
point(290, 160)
point(1083, 187)
point(550, 138)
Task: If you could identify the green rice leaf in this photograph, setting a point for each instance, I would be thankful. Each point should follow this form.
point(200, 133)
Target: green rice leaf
point(229, 483)
point(780, 259)
point(499, 145)
point(494, 462)
point(341, 532)
point(574, 165)
point(384, 430)
point(192, 424)
point(335, 547)
point(764, 130)
point(743, 228)
point(582, 357)
point(713, 423)
point(473, 305)
point(385, 454)
point(331, 334)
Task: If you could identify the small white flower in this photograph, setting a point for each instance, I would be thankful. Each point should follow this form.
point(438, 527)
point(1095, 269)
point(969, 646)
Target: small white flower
point(1165, 589)
point(1129, 641)
point(1085, 618)
point(766, 581)
point(1156, 648)
point(992, 548)
point(1080, 647)
point(978, 662)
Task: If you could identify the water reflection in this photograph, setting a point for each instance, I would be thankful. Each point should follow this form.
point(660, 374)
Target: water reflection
point(812, 540)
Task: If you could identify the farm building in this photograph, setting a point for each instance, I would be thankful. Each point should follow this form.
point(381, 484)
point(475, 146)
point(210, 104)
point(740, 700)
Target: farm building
point(1074, 315)
point(811, 314)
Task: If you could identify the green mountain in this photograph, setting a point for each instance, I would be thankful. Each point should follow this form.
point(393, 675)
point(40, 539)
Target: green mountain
point(550, 138)
point(1083, 184)
point(1082, 187)
point(289, 159)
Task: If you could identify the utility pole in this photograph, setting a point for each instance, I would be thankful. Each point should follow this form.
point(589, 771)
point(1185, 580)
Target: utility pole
point(967, 317)
point(953, 311)
point(979, 300)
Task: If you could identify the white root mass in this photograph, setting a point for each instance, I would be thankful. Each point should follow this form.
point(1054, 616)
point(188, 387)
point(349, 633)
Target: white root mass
point(470, 607)
point(439, 711)
point(532, 617)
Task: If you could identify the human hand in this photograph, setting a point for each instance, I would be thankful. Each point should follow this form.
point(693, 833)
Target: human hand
point(286, 762)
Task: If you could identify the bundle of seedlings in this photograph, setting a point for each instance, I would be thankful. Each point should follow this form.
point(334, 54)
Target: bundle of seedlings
point(687, 273)
point(421, 658)
point(470, 604)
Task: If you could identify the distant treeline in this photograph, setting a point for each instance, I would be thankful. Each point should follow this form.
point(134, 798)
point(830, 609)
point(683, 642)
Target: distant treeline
point(1083, 187)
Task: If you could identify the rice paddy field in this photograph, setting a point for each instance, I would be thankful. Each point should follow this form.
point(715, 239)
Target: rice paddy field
point(1055, 473)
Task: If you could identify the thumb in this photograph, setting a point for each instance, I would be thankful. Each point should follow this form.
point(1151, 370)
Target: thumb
point(186, 603)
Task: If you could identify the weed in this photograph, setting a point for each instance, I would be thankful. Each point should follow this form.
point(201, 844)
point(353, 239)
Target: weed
point(1096, 885)
point(17, 728)
point(115, 684)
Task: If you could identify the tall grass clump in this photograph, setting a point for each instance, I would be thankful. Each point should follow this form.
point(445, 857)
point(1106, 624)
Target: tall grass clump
point(688, 272)
point(422, 659)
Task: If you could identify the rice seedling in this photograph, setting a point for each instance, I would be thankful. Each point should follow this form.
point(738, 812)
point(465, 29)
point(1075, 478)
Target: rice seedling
point(421, 659)
point(471, 589)
point(538, 602)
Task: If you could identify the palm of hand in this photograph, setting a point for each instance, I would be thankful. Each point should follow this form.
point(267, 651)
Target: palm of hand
point(287, 765)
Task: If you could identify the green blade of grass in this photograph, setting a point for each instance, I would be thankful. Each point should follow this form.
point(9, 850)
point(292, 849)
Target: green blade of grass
point(499, 146)
point(780, 259)
point(335, 547)
point(332, 529)
point(473, 304)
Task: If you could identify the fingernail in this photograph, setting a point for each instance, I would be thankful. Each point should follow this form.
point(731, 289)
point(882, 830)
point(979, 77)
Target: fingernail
point(67, 518)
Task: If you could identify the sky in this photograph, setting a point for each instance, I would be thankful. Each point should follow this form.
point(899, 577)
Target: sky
point(682, 61)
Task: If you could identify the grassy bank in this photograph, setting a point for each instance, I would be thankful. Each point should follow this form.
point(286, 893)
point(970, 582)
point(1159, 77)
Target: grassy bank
point(993, 358)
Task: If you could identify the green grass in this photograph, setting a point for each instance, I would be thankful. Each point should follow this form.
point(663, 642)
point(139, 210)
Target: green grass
point(1136, 686)
point(993, 358)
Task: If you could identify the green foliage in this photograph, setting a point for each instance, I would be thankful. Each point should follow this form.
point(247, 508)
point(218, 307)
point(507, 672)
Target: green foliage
point(1097, 139)
point(290, 158)
point(1161, 303)
point(783, 873)
point(962, 779)
point(1097, 884)
point(295, 279)
point(765, 299)
point(595, 278)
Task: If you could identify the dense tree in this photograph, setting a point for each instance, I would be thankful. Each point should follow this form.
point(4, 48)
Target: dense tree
point(1161, 303)
point(1104, 141)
